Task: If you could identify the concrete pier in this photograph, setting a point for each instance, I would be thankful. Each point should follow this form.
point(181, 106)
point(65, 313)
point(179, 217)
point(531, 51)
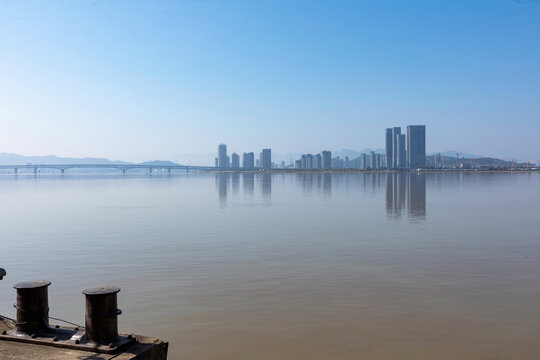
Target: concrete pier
point(145, 348)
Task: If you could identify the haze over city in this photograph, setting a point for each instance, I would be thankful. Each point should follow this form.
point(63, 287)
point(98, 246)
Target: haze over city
point(137, 81)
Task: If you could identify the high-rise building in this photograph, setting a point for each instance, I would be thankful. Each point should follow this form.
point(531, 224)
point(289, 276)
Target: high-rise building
point(372, 160)
point(235, 161)
point(396, 131)
point(309, 161)
point(363, 161)
point(416, 146)
point(438, 164)
point(223, 159)
point(326, 159)
point(265, 159)
point(318, 161)
point(401, 156)
point(337, 163)
point(377, 161)
point(389, 147)
point(248, 161)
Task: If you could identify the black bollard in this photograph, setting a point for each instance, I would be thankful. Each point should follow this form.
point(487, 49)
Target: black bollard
point(102, 315)
point(32, 306)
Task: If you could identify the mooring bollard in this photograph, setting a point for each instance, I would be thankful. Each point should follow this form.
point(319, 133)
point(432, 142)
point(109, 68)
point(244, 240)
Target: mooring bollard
point(2, 273)
point(32, 306)
point(102, 315)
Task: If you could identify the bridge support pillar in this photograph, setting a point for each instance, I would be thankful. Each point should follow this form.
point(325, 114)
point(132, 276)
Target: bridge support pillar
point(62, 170)
point(169, 171)
point(150, 171)
point(16, 170)
point(123, 171)
point(35, 170)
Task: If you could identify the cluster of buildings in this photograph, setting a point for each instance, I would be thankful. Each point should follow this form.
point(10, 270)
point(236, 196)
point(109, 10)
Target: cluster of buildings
point(318, 161)
point(223, 161)
point(403, 151)
point(406, 151)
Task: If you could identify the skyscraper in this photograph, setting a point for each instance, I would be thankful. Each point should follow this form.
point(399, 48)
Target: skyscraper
point(363, 161)
point(438, 164)
point(248, 161)
point(309, 161)
point(396, 131)
point(326, 159)
point(372, 160)
point(265, 159)
point(235, 161)
point(223, 159)
point(318, 161)
point(401, 158)
point(389, 147)
point(416, 146)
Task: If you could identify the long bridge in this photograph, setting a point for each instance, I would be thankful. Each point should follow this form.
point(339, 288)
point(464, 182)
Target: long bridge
point(123, 167)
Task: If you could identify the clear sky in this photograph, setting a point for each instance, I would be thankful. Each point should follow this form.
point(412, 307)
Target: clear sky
point(139, 80)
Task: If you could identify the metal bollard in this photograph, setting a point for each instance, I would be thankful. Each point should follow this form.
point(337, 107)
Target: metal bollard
point(2, 273)
point(32, 306)
point(101, 317)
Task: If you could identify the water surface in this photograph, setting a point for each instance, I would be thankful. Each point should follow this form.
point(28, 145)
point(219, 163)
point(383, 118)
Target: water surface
point(292, 266)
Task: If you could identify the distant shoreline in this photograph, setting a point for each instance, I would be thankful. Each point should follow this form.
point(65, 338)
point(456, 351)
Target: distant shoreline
point(362, 171)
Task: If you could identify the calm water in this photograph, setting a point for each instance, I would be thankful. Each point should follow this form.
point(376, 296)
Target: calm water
point(342, 266)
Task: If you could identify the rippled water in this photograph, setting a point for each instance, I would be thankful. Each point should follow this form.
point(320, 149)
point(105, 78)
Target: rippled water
point(293, 266)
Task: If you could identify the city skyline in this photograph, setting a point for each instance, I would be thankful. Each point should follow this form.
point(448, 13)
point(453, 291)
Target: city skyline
point(138, 81)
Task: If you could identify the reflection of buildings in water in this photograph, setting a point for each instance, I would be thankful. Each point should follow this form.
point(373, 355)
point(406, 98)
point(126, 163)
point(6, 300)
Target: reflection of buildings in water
point(317, 177)
point(248, 180)
point(389, 193)
point(327, 183)
point(305, 180)
point(222, 185)
point(371, 182)
point(308, 182)
point(235, 182)
point(266, 186)
point(320, 181)
point(437, 180)
point(406, 189)
point(365, 178)
point(416, 195)
point(395, 193)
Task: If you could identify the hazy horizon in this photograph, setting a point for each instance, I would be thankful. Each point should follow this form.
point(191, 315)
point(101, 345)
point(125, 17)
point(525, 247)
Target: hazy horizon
point(137, 81)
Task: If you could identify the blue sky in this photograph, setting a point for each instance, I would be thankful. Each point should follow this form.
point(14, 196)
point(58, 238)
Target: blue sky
point(138, 80)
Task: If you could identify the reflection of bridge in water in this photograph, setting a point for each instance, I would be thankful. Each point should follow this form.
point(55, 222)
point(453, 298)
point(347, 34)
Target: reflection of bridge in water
point(123, 167)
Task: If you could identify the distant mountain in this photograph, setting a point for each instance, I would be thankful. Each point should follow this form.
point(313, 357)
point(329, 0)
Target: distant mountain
point(15, 159)
point(468, 162)
point(159, 163)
